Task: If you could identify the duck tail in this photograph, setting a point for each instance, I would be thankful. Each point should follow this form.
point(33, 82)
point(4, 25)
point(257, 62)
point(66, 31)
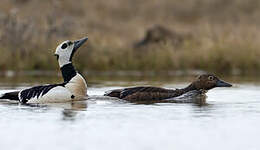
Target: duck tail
point(10, 96)
point(114, 93)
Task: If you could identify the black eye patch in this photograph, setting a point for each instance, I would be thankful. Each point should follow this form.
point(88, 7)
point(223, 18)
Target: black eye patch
point(64, 46)
point(70, 43)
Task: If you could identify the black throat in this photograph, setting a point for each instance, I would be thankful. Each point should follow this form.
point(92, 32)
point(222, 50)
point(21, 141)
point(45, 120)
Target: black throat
point(68, 72)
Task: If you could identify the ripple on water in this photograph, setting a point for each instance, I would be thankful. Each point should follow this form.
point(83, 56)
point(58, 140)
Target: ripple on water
point(230, 120)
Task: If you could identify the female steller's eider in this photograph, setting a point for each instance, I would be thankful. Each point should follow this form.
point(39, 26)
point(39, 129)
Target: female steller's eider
point(155, 94)
point(73, 88)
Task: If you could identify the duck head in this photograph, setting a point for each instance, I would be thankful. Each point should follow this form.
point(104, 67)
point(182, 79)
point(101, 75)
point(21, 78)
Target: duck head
point(65, 51)
point(209, 81)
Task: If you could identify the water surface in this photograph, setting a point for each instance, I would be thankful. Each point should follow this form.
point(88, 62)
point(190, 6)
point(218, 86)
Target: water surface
point(230, 120)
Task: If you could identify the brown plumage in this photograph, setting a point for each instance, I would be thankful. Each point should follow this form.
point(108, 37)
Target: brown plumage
point(136, 94)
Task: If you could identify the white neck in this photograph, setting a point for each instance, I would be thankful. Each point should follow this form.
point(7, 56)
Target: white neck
point(63, 61)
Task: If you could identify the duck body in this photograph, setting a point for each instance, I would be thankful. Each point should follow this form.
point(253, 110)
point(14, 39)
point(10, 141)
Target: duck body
point(73, 88)
point(157, 94)
point(144, 93)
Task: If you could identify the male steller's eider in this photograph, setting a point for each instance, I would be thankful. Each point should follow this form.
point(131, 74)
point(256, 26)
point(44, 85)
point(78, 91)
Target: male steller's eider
point(155, 94)
point(73, 88)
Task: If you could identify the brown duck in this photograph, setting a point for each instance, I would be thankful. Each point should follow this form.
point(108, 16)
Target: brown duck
point(145, 94)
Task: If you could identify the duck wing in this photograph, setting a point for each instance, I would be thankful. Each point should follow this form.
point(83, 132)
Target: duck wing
point(45, 93)
point(136, 94)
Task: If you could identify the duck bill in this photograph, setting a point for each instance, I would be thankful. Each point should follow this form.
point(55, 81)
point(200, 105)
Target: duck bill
point(221, 83)
point(78, 43)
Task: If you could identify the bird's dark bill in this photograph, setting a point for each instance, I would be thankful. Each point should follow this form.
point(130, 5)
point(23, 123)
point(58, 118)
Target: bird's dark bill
point(78, 43)
point(221, 83)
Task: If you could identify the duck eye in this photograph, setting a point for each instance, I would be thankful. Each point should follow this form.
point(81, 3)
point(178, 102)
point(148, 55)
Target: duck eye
point(64, 46)
point(211, 78)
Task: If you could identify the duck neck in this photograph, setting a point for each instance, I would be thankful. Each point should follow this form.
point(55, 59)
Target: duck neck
point(68, 72)
point(190, 87)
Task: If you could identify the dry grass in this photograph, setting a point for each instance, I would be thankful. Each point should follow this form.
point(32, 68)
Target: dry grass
point(225, 34)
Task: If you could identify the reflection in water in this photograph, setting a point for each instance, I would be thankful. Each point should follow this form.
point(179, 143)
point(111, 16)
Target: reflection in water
point(205, 110)
point(68, 114)
point(197, 97)
point(71, 110)
point(79, 105)
point(221, 121)
point(227, 114)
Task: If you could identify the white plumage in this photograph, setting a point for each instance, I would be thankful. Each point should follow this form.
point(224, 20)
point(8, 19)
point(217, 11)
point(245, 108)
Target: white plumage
point(74, 90)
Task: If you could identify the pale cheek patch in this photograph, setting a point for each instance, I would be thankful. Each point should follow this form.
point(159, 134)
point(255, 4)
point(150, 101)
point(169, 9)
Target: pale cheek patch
point(64, 54)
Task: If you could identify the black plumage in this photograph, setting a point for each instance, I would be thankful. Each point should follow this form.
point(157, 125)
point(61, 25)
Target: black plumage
point(11, 95)
point(68, 72)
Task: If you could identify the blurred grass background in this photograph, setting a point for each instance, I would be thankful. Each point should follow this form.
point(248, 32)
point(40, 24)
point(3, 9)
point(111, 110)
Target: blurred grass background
point(220, 36)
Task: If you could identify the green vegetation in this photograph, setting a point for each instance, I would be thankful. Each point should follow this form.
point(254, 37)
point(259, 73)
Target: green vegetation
point(217, 36)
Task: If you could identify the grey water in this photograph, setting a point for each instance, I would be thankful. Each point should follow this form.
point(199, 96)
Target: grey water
point(230, 119)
